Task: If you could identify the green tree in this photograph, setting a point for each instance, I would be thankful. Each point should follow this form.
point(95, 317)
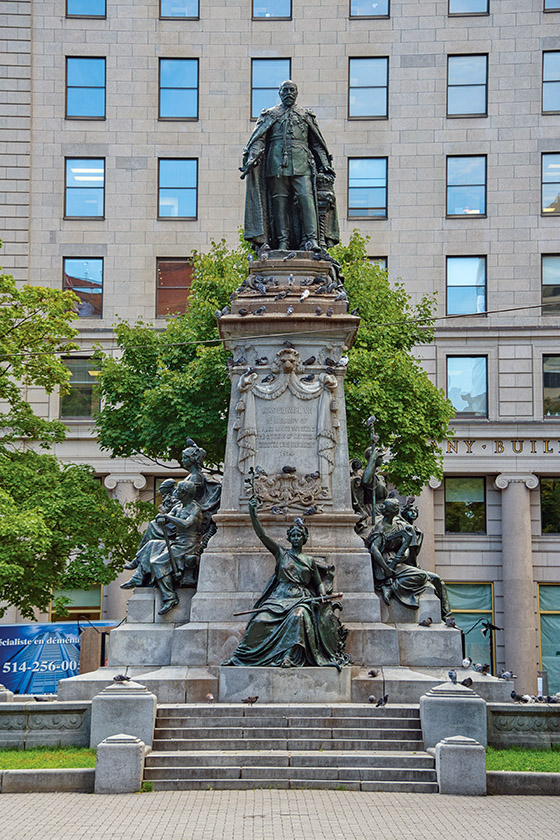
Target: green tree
point(172, 383)
point(58, 526)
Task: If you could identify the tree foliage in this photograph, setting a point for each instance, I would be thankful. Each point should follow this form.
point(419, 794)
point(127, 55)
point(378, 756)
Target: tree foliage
point(170, 384)
point(58, 526)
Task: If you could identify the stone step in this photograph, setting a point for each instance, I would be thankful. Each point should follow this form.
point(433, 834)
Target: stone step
point(223, 733)
point(294, 784)
point(220, 721)
point(280, 758)
point(342, 744)
point(338, 710)
point(368, 774)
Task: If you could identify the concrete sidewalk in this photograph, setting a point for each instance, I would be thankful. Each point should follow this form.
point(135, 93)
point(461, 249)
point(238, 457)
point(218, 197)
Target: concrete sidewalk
point(274, 815)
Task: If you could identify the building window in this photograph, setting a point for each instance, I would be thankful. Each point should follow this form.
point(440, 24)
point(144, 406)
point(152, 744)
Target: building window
point(275, 9)
point(468, 7)
point(82, 400)
point(367, 188)
point(369, 8)
point(551, 83)
point(549, 626)
point(465, 505)
point(379, 262)
point(178, 88)
point(467, 385)
point(551, 183)
point(267, 74)
point(466, 285)
point(178, 9)
point(85, 8)
point(466, 186)
point(84, 603)
point(550, 505)
point(178, 188)
point(84, 277)
point(368, 89)
point(550, 284)
point(85, 188)
point(466, 85)
point(471, 605)
point(85, 88)
point(552, 5)
point(173, 281)
point(551, 386)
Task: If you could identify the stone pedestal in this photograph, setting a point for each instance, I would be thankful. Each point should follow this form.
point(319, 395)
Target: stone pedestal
point(461, 766)
point(122, 706)
point(125, 487)
point(448, 710)
point(6, 696)
point(285, 685)
point(120, 764)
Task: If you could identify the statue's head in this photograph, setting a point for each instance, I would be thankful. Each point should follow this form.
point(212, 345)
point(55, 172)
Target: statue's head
point(288, 93)
point(410, 511)
point(298, 534)
point(168, 486)
point(390, 507)
point(186, 491)
point(192, 456)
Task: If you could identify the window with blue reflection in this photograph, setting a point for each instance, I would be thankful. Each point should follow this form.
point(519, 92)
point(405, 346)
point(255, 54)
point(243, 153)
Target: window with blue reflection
point(550, 270)
point(466, 185)
point(551, 386)
point(368, 87)
point(178, 88)
point(85, 188)
point(369, 8)
point(84, 277)
point(367, 187)
point(272, 9)
point(551, 183)
point(467, 385)
point(465, 511)
point(178, 188)
point(178, 9)
point(466, 85)
point(468, 7)
point(552, 5)
point(551, 82)
point(85, 88)
point(85, 8)
point(267, 75)
point(466, 285)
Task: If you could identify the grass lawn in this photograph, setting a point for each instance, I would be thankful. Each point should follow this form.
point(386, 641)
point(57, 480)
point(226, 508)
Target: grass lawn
point(524, 760)
point(41, 758)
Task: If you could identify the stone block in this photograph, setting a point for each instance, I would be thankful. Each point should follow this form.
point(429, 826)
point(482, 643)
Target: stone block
point(120, 764)
point(223, 640)
point(86, 686)
point(48, 781)
point(448, 710)
point(141, 606)
point(397, 613)
point(285, 685)
point(431, 646)
point(372, 645)
point(179, 614)
point(200, 682)
point(360, 606)
point(189, 644)
point(6, 696)
point(123, 705)
point(169, 683)
point(461, 766)
point(138, 645)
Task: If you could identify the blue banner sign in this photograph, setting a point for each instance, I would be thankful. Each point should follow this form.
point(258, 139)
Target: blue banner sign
point(34, 657)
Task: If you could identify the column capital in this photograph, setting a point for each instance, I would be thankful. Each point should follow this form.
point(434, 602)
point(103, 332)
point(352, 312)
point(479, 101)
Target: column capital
point(434, 483)
point(502, 481)
point(138, 481)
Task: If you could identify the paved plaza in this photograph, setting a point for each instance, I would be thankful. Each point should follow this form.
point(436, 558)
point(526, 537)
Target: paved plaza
point(274, 815)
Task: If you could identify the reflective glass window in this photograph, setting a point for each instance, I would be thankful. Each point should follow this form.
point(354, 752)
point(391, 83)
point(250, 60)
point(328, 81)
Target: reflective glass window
point(173, 281)
point(465, 505)
point(466, 285)
point(471, 604)
point(466, 85)
point(368, 89)
point(84, 277)
point(267, 75)
point(178, 188)
point(551, 183)
point(467, 385)
point(369, 8)
point(466, 186)
point(85, 188)
point(551, 386)
point(468, 7)
point(550, 505)
point(178, 88)
point(272, 9)
point(82, 400)
point(551, 284)
point(367, 187)
point(85, 8)
point(85, 88)
point(551, 82)
point(178, 8)
point(549, 614)
point(552, 5)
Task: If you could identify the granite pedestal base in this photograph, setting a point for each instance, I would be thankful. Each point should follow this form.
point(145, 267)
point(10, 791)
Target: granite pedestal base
point(285, 685)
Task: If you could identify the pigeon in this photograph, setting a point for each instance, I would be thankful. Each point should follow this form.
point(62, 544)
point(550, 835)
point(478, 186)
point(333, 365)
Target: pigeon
point(289, 470)
point(331, 371)
point(467, 662)
point(269, 378)
point(289, 310)
point(518, 698)
point(426, 622)
point(355, 312)
point(311, 511)
point(330, 362)
point(218, 313)
point(309, 378)
point(260, 287)
point(307, 282)
point(342, 362)
point(310, 360)
point(304, 294)
point(322, 290)
point(312, 476)
point(248, 370)
point(120, 678)
point(299, 521)
point(262, 360)
point(260, 471)
point(482, 669)
point(452, 674)
point(242, 312)
point(250, 258)
point(550, 699)
point(251, 700)
point(263, 251)
point(382, 701)
point(467, 682)
point(318, 255)
point(342, 296)
point(289, 256)
point(226, 310)
point(291, 279)
point(318, 310)
point(371, 698)
point(507, 675)
point(209, 698)
point(373, 673)
point(281, 295)
point(277, 510)
point(320, 280)
point(330, 312)
point(450, 621)
point(260, 311)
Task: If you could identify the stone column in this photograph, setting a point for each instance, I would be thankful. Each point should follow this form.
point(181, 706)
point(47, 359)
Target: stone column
point(425, 505)
point(125, 488)
point(517, 570)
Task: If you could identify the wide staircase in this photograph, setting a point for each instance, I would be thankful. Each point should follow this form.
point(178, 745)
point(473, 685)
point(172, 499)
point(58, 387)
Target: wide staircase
point(339, 746)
